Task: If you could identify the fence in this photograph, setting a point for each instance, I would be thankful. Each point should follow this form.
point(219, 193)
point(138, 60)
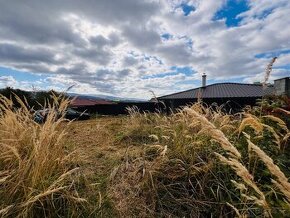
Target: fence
point(121, 108)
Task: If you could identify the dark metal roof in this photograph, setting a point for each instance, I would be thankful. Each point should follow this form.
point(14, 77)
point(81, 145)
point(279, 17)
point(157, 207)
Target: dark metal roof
point(223, 90)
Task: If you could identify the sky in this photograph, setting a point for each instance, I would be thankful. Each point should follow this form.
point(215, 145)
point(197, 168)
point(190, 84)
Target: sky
point(129, 48)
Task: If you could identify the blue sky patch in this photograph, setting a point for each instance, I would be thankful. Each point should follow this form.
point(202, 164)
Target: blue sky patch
point(20, 75)
point(265, 14)
point(187, 9)
point(272, 54)
point(184, 70)
point(166, 36)
point(284, 67)
point(230, 11)
point(162, 75)
point(187, 71)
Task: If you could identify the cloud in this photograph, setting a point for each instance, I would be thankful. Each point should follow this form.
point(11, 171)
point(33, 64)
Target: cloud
point(8, 81)
point(100, 41)
point(16, 53)
point(129, 61)
point(142, 37)
point(127, 47)
point(94, 54)
point(177, 53)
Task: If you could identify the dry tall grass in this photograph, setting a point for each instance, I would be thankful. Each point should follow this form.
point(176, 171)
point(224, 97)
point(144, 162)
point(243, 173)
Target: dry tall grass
point(198, 162)
point(38, 174)
point(182, 174)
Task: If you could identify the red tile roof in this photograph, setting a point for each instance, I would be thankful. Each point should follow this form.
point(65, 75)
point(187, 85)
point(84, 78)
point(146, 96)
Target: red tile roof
point(79, 102)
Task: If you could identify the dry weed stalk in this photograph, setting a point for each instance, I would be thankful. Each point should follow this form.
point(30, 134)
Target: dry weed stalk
point(282, 110)
point(239, 215)
point(268, 71)
point(215, 133)
point(34, 164)
point(258, 126)
point(245, 175)
point(281, 180)
point(280, 122)
point(251, 121)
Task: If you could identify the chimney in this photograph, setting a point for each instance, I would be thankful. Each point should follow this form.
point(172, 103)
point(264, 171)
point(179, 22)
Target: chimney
point(203, 80)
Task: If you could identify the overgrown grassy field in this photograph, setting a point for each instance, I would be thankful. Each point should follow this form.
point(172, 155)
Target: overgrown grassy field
point(198, 162)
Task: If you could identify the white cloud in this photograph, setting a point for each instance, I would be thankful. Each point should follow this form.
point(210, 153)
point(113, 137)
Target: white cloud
point(115, 47)
point(8, 81)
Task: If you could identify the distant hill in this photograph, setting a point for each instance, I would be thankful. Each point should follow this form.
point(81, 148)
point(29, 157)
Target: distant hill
point(106, 97)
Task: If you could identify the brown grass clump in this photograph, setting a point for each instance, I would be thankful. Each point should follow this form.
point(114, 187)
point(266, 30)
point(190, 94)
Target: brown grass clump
point(175, 168)
point(38, 175)
point(127, 190)
point(178, 174)
point(234, 161)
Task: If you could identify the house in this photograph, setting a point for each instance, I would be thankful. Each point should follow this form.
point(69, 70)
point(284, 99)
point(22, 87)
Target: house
point(234, 95)
point(104, 107)
point(82, 102)
point(88, 105)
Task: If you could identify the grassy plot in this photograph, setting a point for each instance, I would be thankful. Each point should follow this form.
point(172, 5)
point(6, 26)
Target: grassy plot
point(199, 162)
point(100, 146)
